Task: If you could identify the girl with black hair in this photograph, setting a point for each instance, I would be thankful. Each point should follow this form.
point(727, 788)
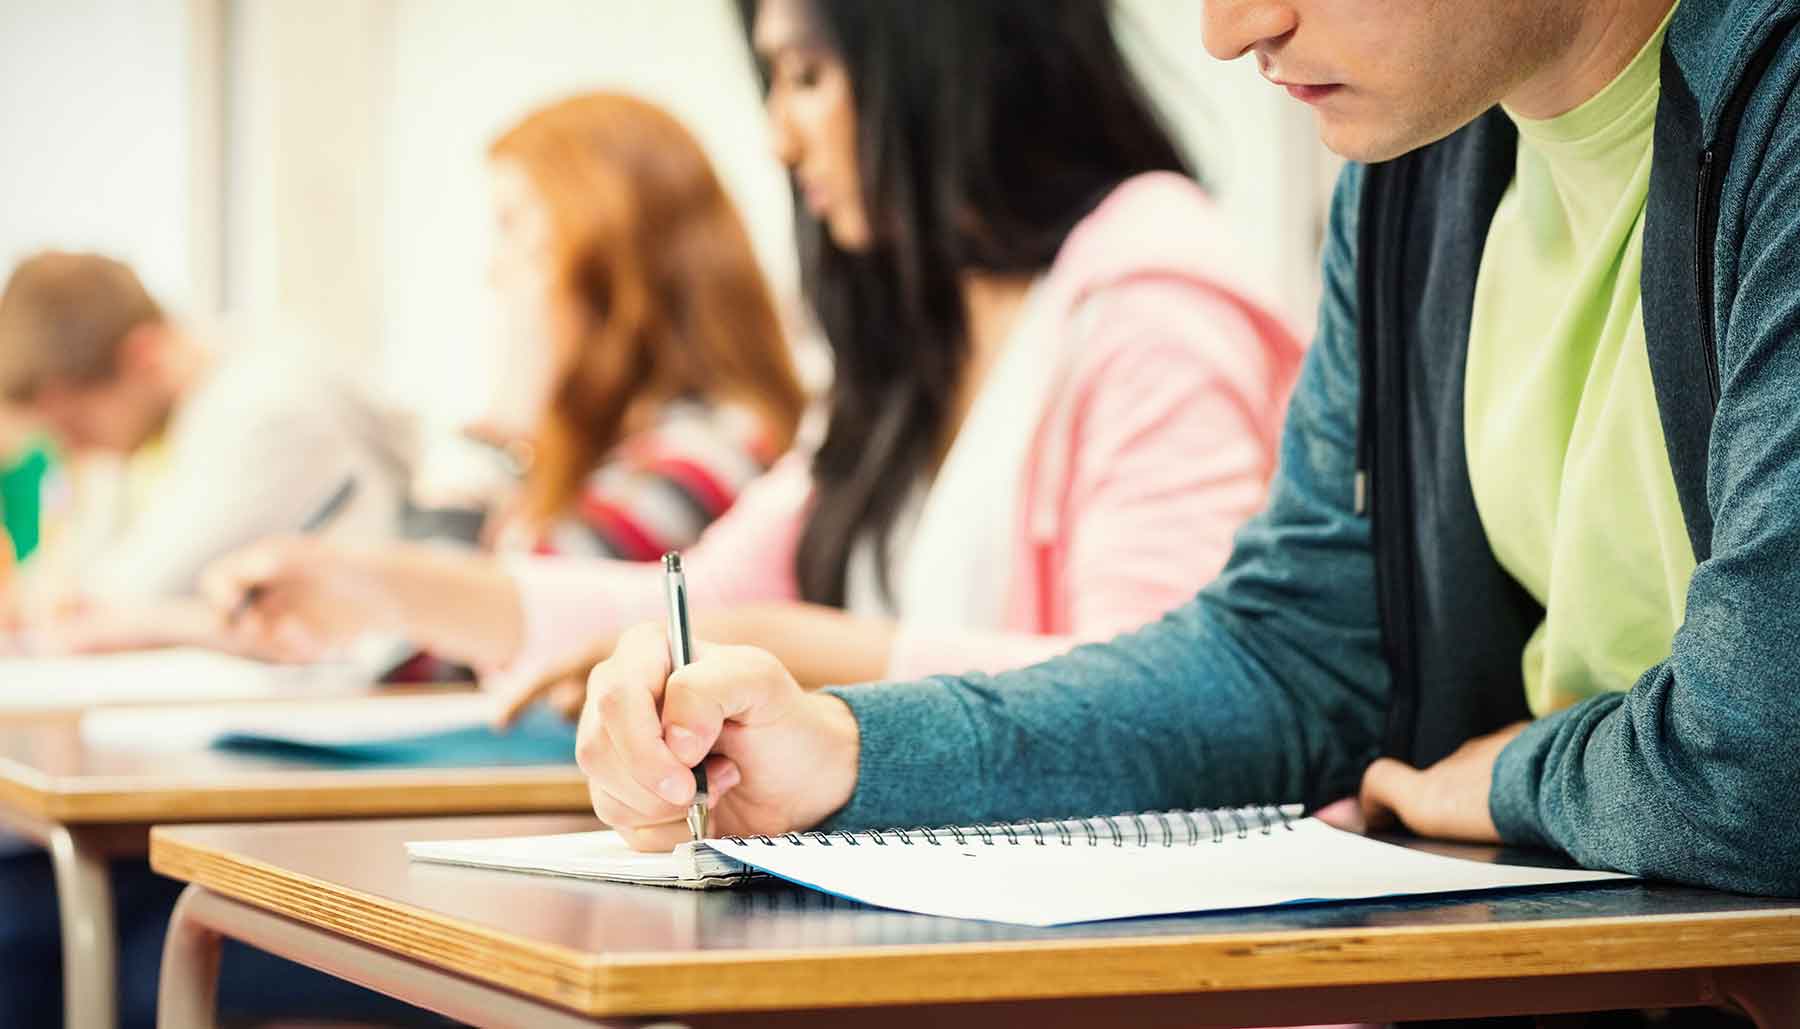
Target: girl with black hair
point(1054, 399)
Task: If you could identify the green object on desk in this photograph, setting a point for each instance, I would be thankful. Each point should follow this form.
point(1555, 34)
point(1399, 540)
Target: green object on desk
point(21, 497)
point(541, 737)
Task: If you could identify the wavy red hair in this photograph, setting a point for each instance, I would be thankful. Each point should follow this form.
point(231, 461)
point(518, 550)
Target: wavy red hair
point(671, 301)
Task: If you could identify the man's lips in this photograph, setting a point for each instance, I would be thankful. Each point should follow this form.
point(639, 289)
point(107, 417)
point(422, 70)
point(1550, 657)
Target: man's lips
point(1310, 94)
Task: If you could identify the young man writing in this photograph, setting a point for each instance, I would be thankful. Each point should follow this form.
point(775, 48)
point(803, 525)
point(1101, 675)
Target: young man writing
point(226, 447)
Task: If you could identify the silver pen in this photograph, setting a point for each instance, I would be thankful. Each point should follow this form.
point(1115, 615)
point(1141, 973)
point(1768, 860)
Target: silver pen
point(681, 651)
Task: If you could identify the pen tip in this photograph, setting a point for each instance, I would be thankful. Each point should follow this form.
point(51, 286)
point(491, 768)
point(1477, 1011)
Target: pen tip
point(672, 561)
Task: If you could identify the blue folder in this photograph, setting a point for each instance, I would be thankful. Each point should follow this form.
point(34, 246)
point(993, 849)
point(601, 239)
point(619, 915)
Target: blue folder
point(541, 737)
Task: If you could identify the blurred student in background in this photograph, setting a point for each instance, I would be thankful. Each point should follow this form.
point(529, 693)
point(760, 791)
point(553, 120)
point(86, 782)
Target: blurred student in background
point(643, 335)
point(1054, 400)
point(224, 446)
point(639, 331)
point(24, 464)
point(641, 345)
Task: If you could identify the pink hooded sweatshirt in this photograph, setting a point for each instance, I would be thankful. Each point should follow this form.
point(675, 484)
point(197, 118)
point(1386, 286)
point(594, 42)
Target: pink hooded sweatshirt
point(1156, 442)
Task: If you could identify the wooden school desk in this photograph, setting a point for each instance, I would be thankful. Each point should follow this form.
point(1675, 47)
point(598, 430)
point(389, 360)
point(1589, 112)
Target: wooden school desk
point(509, 950)
point(87, 804)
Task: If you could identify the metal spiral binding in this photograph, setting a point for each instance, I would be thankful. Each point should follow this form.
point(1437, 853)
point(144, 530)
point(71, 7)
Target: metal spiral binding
point(1193, 826)
point(823, 839)
point(1143, 831)
point(1219, 825)
point(1112, 826)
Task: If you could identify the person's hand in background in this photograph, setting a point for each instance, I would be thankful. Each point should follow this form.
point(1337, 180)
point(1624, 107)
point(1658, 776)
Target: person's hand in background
point(563, 690)
point(301, 598)
point(297, 598)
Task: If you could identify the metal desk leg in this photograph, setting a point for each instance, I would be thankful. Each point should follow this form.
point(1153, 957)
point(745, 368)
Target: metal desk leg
point(1769, 994)
point(190, 971)
point(89, 943)
point(188, 989)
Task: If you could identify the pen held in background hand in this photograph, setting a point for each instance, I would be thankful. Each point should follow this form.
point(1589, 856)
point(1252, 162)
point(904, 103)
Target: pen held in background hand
point(320, 518)
point(681, 651)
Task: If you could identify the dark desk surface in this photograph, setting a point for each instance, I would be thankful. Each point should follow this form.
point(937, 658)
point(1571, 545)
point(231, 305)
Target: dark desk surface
point(608, 949)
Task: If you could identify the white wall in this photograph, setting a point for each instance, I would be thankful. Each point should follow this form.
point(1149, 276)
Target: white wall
point(462, 71)
point(1258, 148)
point(306, 111)
point(105, 123)
point(358, 197)
point(335, 147)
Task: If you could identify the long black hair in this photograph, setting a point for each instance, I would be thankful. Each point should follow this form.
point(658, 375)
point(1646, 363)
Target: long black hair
point(985, 130)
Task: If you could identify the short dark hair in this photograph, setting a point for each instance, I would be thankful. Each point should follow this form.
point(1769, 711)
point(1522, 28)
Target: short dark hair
point(63, 316)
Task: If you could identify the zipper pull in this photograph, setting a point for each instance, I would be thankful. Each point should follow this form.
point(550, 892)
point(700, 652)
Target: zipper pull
point(1362, 492)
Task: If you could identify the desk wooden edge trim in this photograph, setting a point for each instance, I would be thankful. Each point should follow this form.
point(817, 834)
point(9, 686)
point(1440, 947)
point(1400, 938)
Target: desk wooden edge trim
point(548, 971)
point(26, 790)
point(1021, 970)
point(304, 793)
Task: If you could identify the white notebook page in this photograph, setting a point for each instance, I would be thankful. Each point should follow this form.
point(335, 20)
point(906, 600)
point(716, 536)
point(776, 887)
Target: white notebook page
point(1028, 884)
point(586, 855)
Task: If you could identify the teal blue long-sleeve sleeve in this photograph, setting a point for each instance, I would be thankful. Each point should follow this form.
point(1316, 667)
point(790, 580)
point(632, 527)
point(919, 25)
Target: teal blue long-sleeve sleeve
point(1690, 775)
point(1268, 686)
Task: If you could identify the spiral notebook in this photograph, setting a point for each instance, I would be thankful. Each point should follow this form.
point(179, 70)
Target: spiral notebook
point(1039, 873)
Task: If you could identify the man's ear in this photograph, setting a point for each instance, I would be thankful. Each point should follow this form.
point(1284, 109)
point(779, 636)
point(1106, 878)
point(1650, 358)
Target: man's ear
point(143, 351)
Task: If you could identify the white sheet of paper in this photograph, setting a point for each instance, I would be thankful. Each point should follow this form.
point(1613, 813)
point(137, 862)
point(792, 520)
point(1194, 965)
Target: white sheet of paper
point(327, 721)
point(156, 676)
point(588, 855)
point(1028, 884)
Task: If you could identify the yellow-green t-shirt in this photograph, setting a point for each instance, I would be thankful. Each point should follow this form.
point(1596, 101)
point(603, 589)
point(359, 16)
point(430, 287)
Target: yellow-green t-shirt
point(1565, 450)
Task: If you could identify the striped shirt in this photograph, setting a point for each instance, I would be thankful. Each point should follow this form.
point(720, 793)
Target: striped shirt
point(660, 488)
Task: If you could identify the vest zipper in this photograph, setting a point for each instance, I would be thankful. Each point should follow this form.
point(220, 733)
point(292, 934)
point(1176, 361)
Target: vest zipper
point(1711, 185)
point(1706, 232)
point(1382, 443)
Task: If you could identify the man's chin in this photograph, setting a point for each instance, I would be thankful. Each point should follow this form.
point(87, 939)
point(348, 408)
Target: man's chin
point(1370, 141)
point(1356, 140)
